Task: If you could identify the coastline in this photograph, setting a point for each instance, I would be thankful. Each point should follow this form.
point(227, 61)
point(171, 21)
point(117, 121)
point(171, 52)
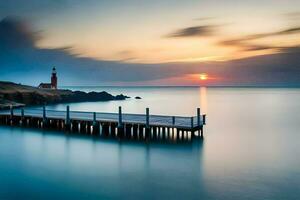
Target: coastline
point(17, 95)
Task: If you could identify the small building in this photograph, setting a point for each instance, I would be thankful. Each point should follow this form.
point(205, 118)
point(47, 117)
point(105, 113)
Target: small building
point(45, 86)
point(53, 84)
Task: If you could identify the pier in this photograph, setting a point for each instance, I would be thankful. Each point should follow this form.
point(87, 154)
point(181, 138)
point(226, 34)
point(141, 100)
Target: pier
point(121, 125)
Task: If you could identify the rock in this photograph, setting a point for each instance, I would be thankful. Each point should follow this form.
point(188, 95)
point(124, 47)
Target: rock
point(137, 97)
point(121, 97)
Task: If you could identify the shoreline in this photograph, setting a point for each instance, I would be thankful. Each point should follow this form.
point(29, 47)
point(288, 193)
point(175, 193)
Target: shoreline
point(17, 95)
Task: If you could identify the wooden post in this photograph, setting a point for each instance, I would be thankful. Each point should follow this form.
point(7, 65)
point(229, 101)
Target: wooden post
point(68, 115)
point(22, 113)
point(44, 116)
point(204, 119)
point(75, 126)
point(164, 132)
point(120, 117)
point(109, 129)
point(94, 118)
point(198, 116)
point(147, 117)
point(178, 134)
point(201, 132)
point(168, 132)
point(67, 121)
point(100, 128)
point(147, 128)
point(96, 129)
point(154, 131)
point(11, 111)
point(120, 125)
point(11, 121)
point(21, 122)
point(192, 125)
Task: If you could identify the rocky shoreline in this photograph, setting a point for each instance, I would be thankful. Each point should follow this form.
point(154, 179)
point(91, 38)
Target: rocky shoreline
point(17, 95)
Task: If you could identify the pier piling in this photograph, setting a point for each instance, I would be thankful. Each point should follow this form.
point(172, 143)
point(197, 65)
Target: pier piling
point(120, 124)
point(147, 128)
point(136, 126)
point(67, 124)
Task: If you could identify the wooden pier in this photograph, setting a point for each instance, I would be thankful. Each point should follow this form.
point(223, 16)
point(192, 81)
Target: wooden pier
point(129, 126)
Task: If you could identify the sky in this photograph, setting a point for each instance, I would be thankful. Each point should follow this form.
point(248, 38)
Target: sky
point(158, 42)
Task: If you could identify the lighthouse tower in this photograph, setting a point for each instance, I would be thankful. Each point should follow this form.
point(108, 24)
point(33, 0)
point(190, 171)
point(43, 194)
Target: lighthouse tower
point(53, 79)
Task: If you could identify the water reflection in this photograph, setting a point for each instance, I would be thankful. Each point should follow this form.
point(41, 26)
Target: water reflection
point(249, 151)
point(80, 165)
point(203, 99)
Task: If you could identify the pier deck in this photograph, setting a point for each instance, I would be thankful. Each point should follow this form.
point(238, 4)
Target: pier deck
point(95, 122)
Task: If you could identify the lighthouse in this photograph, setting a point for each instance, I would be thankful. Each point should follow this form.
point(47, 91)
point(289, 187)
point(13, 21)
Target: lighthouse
point(53, 84)
point(53, 79)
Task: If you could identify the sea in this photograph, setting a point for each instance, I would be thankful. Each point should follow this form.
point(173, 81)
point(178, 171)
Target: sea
point(250, 150)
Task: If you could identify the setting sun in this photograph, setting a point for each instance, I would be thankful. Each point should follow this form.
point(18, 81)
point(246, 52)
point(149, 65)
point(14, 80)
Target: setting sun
point(203, 76)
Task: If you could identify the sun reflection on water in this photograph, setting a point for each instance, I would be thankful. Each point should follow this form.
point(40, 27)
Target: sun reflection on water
point(203, 99)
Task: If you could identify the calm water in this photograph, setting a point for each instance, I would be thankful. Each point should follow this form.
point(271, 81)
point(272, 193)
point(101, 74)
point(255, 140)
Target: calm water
point(251, 150)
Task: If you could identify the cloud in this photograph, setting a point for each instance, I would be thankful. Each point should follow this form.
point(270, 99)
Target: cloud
point(126, 55)
point(246, 42)
point(292, 15)
point(194, 31)
point(204, 18)
point(14, 32)
point(292, 30)
point(246, 46)
point(249, 47)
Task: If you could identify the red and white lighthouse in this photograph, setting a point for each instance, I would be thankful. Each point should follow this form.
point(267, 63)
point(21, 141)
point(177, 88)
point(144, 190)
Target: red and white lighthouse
point(53, 79)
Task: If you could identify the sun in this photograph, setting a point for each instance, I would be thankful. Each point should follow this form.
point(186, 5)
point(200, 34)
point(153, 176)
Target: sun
point(203, 76)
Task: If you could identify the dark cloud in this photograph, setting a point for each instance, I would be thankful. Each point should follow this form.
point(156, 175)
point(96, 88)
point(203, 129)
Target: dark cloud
point(250, 47)
point(194, 31)
point(246, 46)
point(293, 15)
point(21, 58)
point(14, 32)
point(246, 42)
point(126, 55)
point(293, 30)
point(204, 18)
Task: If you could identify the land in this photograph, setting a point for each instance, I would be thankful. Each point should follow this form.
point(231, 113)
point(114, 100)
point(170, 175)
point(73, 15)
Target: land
point(19, 95)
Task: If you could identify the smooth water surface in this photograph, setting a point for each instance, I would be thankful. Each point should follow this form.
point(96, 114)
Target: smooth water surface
point(251, 150)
